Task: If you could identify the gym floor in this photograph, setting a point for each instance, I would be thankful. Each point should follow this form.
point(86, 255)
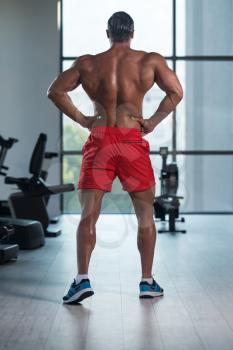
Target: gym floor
point(195, 270)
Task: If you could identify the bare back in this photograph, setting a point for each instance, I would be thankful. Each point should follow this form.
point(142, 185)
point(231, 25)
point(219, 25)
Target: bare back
point(116, 81)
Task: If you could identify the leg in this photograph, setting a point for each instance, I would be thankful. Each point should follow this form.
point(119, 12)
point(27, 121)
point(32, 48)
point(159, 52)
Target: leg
point(146, 239)
point(90, 200)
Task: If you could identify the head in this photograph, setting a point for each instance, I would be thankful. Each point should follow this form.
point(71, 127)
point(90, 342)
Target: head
point(120, 27)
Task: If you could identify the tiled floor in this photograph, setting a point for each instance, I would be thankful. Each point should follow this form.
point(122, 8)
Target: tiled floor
point(196, 271)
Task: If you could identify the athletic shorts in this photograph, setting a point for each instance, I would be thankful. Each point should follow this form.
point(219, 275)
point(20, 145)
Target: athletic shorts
point(111, 151)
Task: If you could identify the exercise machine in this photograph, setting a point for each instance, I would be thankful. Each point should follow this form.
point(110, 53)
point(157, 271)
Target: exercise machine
point(7, 251)
point(5, 146)
point(48, 158)
point(26, 234)
point(30, 202)
point(168, 203)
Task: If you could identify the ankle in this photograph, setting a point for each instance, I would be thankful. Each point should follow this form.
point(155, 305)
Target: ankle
point(148, 279)
point(80, 277)
point(147, 276)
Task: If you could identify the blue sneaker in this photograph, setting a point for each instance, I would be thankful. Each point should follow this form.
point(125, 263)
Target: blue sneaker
point(148, 290)
point(78, 292)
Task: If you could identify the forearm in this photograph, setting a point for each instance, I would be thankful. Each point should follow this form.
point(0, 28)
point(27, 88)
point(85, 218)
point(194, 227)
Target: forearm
point(64, 103)
point(167, 105)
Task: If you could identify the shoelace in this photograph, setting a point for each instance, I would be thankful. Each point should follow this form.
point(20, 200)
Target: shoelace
point(74, 283)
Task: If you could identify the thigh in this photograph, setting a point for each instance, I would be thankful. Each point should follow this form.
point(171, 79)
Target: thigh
point(143, 205)
point(90, 200)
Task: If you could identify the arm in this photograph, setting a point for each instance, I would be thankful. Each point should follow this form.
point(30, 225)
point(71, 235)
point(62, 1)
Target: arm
point(58, 93)
point(167, 80)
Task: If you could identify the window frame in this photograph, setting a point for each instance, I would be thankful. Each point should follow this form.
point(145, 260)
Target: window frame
point(174, 58)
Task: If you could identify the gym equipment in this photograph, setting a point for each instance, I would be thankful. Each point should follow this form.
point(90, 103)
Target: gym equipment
point(7, 251)
point(48, 157)
point(46, 164)
point(27, 234)
point(44, 174)
point(168, 202)
point(30, 203)
point(5, 146)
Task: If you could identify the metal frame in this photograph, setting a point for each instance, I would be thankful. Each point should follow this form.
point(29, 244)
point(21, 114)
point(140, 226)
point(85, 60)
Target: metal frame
point(60, 113)
point(184, 153)
point(174, 68)
point(174, 58)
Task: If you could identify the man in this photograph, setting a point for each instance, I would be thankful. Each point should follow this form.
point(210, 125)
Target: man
point(116, 81)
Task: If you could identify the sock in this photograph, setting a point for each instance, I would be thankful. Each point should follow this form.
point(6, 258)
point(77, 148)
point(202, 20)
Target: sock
point(79, 278)
point(149, 280)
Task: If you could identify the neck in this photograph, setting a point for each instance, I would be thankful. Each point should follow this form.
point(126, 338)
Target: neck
point(119, 45)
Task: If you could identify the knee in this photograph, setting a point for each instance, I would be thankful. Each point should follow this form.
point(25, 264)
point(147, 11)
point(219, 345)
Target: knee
point(146, 230)
point(146, 221)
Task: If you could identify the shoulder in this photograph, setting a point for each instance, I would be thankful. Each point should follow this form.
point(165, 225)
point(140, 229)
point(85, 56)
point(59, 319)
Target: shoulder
point(155, 57)
point(155, 61)
point(83, 61)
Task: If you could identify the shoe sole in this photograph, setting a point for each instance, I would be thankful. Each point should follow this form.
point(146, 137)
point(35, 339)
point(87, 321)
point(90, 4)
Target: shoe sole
point(148, 295)
point(78, 297)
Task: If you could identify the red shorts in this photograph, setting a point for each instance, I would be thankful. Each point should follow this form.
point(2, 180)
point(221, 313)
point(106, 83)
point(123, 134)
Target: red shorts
point(111, 151)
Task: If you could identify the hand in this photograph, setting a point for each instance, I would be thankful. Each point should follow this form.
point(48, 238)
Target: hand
point(146, 124)
point(87, 122)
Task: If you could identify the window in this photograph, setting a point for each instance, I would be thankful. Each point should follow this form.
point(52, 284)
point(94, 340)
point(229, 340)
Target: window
point(195, 36)
point(204, 27)
point(206, 114)
point(85, 23)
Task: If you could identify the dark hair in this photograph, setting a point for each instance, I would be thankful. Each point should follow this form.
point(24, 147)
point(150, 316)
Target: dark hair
point(120, 26)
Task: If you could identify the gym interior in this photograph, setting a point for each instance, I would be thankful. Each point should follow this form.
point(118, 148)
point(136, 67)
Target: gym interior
point(40, 159)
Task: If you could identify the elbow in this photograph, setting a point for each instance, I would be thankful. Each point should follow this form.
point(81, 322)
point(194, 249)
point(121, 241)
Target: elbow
point(52, 94)
point(176, 97)
point(179, 94)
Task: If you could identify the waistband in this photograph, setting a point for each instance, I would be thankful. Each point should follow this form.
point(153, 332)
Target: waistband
point(113, 130)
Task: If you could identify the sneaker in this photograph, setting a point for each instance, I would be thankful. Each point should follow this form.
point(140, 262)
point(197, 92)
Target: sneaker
point(148, 290)
point(78, 292)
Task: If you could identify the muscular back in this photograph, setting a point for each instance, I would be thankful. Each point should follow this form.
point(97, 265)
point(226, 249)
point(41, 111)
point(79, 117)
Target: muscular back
point(116, 81)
